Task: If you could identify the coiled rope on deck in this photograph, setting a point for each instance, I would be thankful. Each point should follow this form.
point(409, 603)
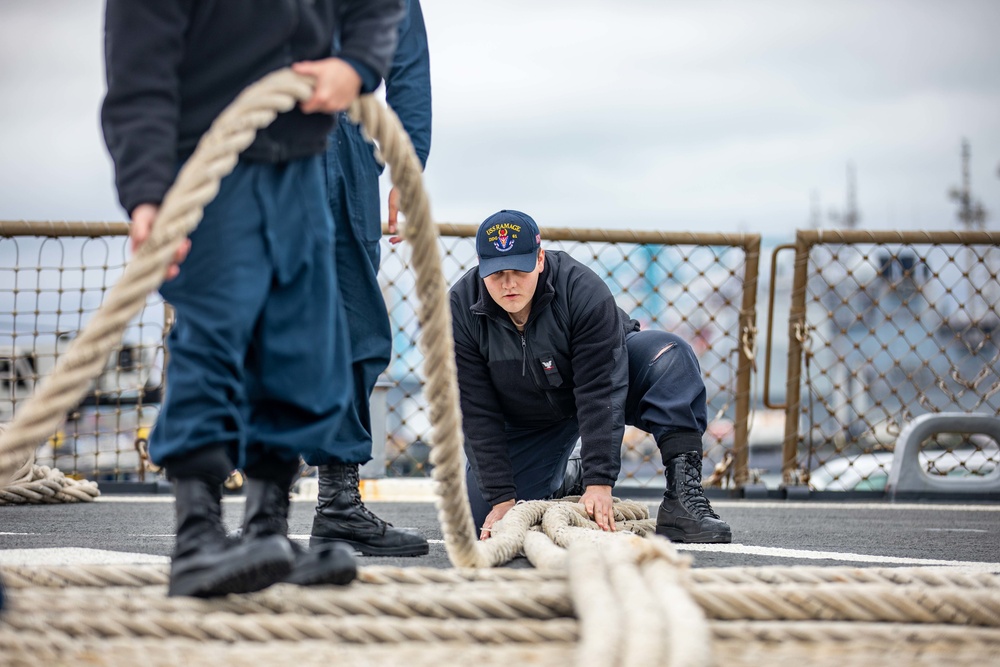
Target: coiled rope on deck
point(35, 484)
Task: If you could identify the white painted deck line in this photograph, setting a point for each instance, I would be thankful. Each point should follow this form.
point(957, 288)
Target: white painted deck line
point(402, 491)
point(848, 505)
point(805, 554)
point(75, 556)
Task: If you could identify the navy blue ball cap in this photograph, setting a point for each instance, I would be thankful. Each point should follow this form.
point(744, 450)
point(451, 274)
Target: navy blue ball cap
point(507, 241)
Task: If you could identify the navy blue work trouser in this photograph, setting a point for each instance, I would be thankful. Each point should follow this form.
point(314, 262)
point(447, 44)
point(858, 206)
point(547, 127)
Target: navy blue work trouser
point(353, 195)
point(258, 357)
point(666, 398)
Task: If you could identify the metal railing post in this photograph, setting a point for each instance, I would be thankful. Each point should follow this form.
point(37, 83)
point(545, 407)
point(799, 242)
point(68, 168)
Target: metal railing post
point(796, 335)
point(746, 351)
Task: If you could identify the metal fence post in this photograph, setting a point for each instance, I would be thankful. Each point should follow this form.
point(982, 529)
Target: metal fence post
point(797, 333)
point(746, 353)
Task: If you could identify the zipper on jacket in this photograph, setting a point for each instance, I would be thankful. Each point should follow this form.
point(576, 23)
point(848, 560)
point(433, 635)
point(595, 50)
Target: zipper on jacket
point(524, 356)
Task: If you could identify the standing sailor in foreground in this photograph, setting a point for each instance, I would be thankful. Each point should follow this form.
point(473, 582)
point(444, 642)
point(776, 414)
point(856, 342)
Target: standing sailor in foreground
point(259, 362)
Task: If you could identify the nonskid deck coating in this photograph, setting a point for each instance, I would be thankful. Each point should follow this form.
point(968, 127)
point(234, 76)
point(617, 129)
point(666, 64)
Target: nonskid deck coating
point(140, 529)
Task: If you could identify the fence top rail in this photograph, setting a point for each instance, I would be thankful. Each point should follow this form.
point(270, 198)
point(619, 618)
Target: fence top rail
point(62, 228)
point(618, 235)
point(820, 236)
point(94, 229)
point(806, 236)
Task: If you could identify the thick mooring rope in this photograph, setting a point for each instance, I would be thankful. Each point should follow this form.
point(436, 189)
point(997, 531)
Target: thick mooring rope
point(510, 537)
point(181, 211)
point(895, 646)
point(598, 606)
point(137, 576)
point(435, 342)
point(595, 598)
point(474, 612)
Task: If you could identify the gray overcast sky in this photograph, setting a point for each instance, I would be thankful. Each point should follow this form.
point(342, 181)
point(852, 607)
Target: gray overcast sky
point(627, 114)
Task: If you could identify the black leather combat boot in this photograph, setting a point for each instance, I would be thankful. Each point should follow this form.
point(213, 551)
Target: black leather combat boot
point(685, 515)
point(342, 517)
point(205, 562)
point(267, 514)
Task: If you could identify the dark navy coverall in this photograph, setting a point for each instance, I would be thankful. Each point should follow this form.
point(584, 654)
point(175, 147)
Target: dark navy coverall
point(259, 358)
point(352, 175)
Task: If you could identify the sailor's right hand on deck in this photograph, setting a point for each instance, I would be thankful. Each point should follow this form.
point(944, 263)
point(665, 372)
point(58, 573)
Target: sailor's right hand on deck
point(498, 512)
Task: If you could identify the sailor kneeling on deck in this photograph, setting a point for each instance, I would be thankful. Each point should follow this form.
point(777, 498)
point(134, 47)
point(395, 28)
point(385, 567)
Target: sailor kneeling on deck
point(546, 357)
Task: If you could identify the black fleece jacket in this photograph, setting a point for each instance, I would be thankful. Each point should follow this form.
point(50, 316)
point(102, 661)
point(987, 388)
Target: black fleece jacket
point(173, 66)
point(569, 362)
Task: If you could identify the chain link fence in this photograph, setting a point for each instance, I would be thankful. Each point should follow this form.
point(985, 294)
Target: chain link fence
point(53, 277)
point(885, 327)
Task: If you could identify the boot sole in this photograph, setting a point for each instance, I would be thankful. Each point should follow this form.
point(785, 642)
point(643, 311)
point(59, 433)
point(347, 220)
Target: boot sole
point(709, 537)
point(331, 564)
point(250, 567)
point(368, 550)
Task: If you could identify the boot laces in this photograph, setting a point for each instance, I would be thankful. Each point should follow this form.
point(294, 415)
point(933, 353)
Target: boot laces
point(691, 492)
point(354, 490)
